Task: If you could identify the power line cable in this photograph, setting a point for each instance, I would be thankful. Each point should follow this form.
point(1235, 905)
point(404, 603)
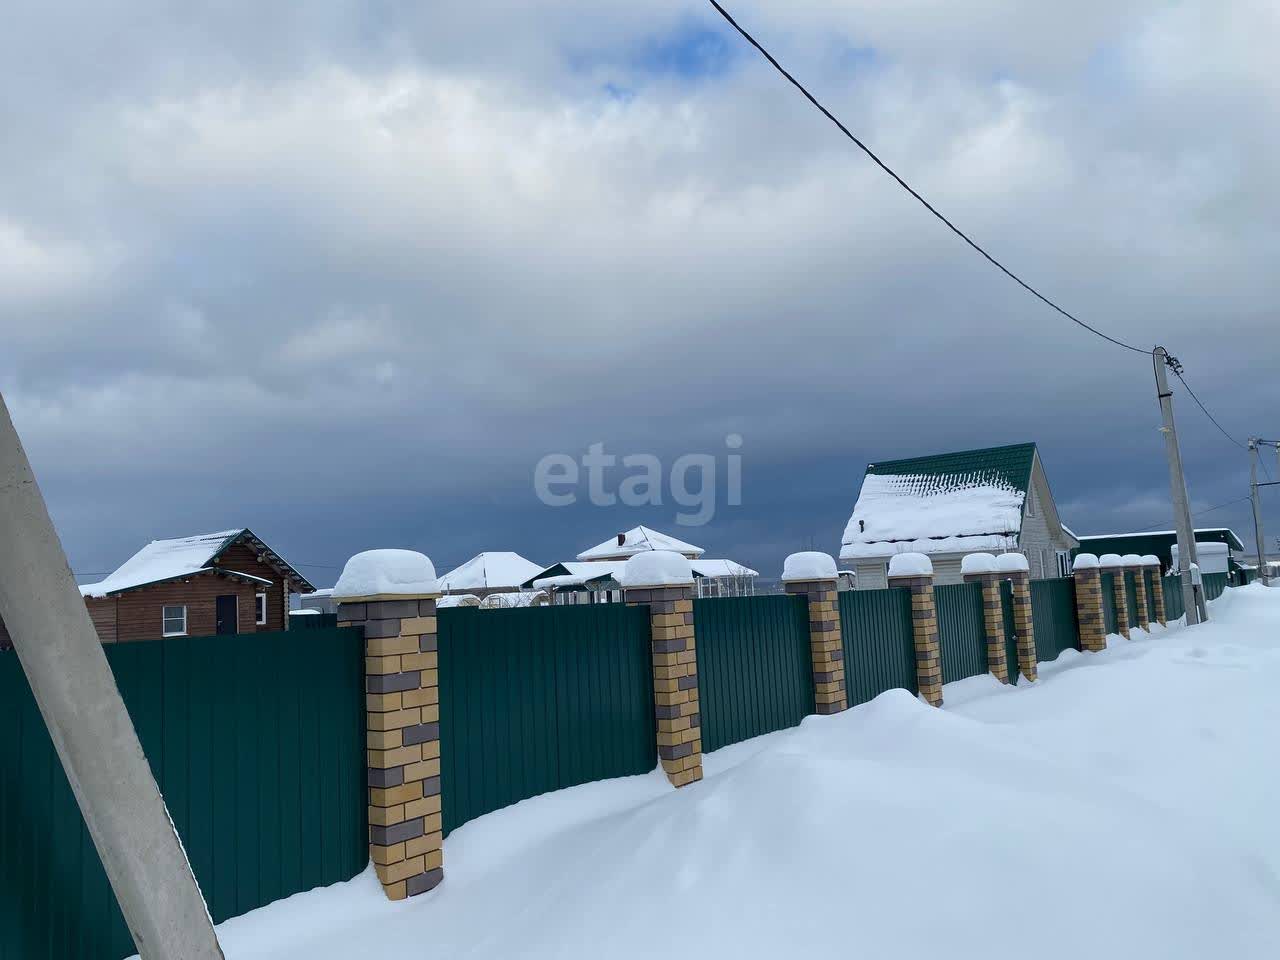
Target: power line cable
point(1177, 372)
point(906, 186)
point(1221, 505)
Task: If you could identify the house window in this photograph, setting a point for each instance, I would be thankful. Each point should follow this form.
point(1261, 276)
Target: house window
point(1064, 563)
point(261, 607)
point(175, 621)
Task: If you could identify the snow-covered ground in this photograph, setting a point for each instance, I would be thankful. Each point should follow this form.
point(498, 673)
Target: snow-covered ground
point(1124, 806)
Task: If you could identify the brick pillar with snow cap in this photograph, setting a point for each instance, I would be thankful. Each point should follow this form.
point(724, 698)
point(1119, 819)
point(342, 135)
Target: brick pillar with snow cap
point(915, 572)
point(981, 568)
point(1091, 621)
point(813, 576)
point(392, 595)
point(1113, 564)
point(663, 580)
point(1151, 565)
point(1133, 564)
point(1014, 568)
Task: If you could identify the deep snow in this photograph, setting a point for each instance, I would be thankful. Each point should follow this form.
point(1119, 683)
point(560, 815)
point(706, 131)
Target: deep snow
point(1123, 806)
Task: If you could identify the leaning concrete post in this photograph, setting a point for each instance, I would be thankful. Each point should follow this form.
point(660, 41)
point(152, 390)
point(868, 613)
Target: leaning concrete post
point(392, 595)
point(1090, 619)
point(981, 568)
point(915, 572)
point(664, 581)
point(813, 576)
point(1113, 564)
point(1014, 567)
point(1151, 565)
point(1133, 565)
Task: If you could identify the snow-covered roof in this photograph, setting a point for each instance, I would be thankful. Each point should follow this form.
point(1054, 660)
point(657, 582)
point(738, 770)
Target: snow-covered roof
point(162, 560)
point(638, 540)
point(949, 503)
point(575, 574)
point(489, 571)
point(713, 569)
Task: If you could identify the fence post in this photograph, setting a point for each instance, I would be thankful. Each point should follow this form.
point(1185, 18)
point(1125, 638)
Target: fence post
point(664, 581)
point(915, 572)
point(1015, 568)
point(1133, 564)
point(392, 595)
point(1089, 617)
point(1113, 564)
point(813, 576)
point(1152, 564)
point(981, 568)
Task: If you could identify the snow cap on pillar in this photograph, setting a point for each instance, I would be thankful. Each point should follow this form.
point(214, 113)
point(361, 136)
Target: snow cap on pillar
point(808, 565)
point(910, 565)
point(1150, 560)
point(387, 573)
point(1111, 560)
point(1012, 563)
point(972, 563)
point(656, 568)
point(1131, 560)
point(1085, 561)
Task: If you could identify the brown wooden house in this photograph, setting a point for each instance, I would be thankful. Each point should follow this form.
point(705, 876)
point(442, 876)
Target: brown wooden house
point(228, 582)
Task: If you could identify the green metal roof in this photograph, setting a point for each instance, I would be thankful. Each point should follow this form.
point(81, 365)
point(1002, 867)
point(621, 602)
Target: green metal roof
point(1011, 465)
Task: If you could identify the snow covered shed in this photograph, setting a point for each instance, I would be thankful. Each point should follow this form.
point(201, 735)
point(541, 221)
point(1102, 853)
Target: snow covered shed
point(992, 500)
point(637, 540)
point(486, 573)
point(1158, 543)
point(227, 582)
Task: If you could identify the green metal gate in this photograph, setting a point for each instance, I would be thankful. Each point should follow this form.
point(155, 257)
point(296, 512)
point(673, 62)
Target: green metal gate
point(1010, 630)
point(538, 699)
point(755, 672)
point(962, 631)
point(256, 742)
point(1053, 611)
point(879, 645)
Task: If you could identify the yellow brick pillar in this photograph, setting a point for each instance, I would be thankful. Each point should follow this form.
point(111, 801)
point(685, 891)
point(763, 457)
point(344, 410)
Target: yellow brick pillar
point(1133, 565)
point(914, 571)
point(1024, 623)
point(981, 568)
point(1113, 564)
point(813, 576)
point(1090, 619)
point(392, 595)
point(663, 581)
point(1151, 566)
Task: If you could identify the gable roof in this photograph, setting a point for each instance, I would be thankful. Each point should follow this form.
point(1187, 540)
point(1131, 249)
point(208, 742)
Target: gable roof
point(638, 540)
point(487, 571)
point(164, 560)
point(950, 502)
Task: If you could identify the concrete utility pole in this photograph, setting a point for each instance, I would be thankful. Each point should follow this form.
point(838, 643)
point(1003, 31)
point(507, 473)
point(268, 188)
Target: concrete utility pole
point(1259, 539)
point(90, 728)
point(1178, 490)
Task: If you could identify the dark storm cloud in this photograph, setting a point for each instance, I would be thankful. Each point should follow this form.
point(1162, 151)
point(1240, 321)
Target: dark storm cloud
point(345, 274)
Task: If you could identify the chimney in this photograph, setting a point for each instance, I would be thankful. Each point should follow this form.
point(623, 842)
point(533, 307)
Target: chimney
point(622, 539)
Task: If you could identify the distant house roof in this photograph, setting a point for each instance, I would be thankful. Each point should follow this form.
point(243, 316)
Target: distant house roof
point(1158, 543)
point(161, 561)
point(951, 502)
point(637, 540)
point(586, 572)
point(489, 571)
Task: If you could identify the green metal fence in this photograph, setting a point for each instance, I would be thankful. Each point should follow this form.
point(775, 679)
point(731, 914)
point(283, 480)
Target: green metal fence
point(755, 672)
point(1109, 602)
point(1131, 597)
point(962, 631)
point(1010, 631)
point(256, 741)
point(879, 646)
point(533, 700)
point(1053, 610)
point(1214, 585)
point(1148, 583)
point(312, 621)
point(1174, 607)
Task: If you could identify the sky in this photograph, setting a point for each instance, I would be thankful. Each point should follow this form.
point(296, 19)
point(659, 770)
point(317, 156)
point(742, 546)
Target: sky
point(345, 273)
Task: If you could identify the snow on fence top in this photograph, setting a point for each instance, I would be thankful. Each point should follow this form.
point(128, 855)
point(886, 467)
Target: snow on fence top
point(1131, 560)
point(1012, 563)
point(1111, 560)
point(1150, 560)
point(978, 563)
point(1085, 561)
point(910, 565)
point(377, 572)
point(656, 568)
point(809, 565)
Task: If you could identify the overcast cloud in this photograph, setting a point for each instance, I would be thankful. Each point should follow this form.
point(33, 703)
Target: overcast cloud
point(343, 272)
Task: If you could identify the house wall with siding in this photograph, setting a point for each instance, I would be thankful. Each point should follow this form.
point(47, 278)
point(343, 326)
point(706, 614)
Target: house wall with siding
point(242, 559)
point(1036, 541)
point(139, 613)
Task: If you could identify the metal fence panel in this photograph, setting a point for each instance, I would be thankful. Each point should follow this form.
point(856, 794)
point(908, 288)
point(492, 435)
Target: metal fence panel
point(962, 631)
point(1214, 585)
point(533, 700)
point(879, 646)
point(1109, 602)
point(1053, 610)
point(257, 743)
point(1131, 596)
point(755, 672)
point(1148, 583)
point(1174, 607)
